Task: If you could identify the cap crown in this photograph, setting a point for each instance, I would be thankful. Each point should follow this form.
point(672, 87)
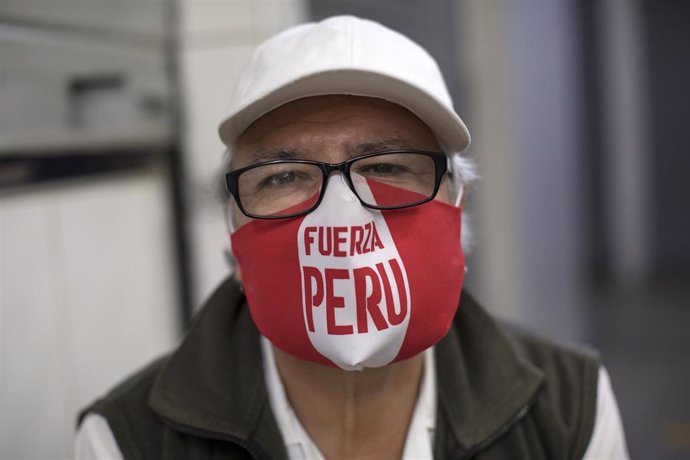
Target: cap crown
point(344, 55)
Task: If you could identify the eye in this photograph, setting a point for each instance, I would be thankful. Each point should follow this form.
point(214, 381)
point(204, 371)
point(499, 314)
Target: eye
point(294, 178)
point(282, 178)
point(279, 179)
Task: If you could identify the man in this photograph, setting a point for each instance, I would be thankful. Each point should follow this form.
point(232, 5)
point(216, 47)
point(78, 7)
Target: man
point(344, 333)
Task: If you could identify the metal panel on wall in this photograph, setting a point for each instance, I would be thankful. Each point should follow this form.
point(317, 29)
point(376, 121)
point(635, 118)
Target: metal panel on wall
point(124, 19)
point(65, 91)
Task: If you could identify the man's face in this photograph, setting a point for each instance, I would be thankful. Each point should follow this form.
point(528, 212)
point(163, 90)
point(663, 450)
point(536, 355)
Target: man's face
point(332, 129)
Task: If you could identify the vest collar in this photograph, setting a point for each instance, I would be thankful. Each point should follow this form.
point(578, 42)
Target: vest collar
point(483, 382)
point(213, 385)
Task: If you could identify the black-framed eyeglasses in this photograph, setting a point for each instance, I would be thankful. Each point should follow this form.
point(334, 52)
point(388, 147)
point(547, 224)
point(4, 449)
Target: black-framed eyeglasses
point(393, 179)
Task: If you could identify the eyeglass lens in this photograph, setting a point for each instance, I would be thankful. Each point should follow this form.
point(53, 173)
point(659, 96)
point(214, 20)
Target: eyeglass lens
point(385, 180)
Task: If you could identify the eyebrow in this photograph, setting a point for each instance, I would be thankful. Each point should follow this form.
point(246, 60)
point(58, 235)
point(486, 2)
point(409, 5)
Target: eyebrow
point(275, 154)
point(393, 143)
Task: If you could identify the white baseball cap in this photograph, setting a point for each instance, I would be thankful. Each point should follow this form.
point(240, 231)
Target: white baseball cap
point(344, 55)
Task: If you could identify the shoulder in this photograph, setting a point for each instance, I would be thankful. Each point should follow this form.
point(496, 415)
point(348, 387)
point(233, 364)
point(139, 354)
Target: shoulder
point(559, 361)
point(562, 393)
point(134, 387)
point(126, 408)
point(139, 426)
point(566, 405)
point(130, 393)
point(130, 397)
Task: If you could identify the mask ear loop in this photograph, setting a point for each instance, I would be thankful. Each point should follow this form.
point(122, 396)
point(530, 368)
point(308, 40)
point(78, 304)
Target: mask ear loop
point(460, 197)
point(459, 186)
point(460, 203)
point(458, 183)
point(229, 221)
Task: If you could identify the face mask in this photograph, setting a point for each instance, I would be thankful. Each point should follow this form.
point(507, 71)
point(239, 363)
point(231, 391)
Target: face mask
point(353, 286)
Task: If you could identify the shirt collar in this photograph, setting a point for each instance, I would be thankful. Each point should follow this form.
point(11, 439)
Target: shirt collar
point(300, 446)
point(485, 381)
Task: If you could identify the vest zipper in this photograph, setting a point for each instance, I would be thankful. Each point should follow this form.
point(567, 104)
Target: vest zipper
point(251, 448)
point(519, 415)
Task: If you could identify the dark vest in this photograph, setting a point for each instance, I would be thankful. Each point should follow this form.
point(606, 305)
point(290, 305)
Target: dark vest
point(502, 393)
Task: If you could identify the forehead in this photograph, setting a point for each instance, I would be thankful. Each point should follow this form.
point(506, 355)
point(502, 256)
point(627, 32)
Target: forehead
point(329, 128)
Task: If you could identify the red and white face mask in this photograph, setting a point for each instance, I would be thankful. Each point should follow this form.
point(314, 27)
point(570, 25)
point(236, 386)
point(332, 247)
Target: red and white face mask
point(353, 286)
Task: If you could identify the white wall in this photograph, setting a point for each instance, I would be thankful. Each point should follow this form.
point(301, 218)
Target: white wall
point(87, 295)
point(87, 277)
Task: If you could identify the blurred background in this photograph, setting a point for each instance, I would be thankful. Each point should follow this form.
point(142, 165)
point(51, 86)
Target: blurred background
point(111, 234)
